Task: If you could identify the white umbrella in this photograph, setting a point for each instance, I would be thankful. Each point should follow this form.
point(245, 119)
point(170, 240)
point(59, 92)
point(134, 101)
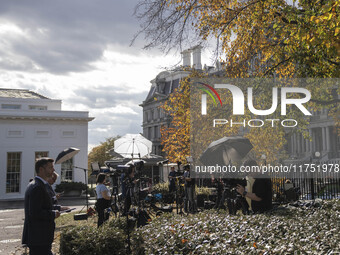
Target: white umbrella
point(66, 155)
point(132, 146)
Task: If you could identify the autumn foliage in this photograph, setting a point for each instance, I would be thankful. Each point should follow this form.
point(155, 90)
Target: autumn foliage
point(256, 38)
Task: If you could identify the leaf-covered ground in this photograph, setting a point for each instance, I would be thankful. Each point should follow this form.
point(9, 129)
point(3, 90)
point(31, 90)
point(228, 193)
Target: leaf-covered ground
point(302, 230)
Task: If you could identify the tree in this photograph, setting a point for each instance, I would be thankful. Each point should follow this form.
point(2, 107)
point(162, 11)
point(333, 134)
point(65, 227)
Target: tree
point(100, 153)
point(276, 37)
point(175, 139)
point(256, 38)
point(191, 132)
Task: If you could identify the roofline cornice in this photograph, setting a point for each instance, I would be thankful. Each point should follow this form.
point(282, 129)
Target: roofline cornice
point(7, 117)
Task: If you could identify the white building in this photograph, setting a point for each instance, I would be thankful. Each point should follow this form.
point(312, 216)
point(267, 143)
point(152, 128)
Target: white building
point(33, 126)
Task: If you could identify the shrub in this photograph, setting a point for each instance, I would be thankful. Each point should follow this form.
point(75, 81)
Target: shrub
point(162, 188)
point(204, 191)
point(90, 240)
point(285, 231)
point(68, 186)
point(305, 229)
point(91, 192)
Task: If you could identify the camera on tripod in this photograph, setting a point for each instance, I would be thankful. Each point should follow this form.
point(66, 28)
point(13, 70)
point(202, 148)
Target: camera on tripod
point(235, 201)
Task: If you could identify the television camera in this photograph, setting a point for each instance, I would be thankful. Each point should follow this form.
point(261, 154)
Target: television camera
point(226, 189)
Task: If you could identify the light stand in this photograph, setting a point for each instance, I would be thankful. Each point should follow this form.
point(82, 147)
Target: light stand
point(87, 199)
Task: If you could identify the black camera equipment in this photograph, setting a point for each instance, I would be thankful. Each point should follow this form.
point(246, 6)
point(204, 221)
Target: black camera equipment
point(139, 167)
point(234, 200)
point(116, 196)
point(153, 199)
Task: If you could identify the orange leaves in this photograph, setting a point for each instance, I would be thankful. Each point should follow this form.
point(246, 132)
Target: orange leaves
point(184, 241)
point(175, 138)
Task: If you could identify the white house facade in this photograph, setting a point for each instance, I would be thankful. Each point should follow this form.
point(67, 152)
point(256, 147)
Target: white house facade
point(33, 126)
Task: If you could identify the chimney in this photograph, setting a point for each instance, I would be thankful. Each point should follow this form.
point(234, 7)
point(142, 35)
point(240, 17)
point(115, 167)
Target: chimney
point(186, 57)
point(197, 57)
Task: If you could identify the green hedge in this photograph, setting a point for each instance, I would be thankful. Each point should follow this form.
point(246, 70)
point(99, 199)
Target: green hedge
point(163, 188)
point(88, 240)
point(69, 186)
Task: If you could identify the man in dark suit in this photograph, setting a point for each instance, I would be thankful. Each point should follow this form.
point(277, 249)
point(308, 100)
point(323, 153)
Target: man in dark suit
point(39, 225)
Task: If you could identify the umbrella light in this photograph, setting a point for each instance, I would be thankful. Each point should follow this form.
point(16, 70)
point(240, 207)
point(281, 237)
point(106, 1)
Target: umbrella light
point(132, 145)
point(226, 150)
point(66, 155)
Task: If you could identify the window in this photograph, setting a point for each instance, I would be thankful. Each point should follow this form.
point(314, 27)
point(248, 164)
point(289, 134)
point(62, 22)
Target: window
point(42, 133)
point(68, 133)
point(149, 133)
point(38, 155)
point(145, 116)
point(67, 170)
point(41, 154)
point(11, 106)
point(15, 133)
point(38, 107)
point(13, 172)
point(157, 132)
point(151, 115)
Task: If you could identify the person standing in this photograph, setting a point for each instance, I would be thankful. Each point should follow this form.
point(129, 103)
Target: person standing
point(103, 199)
point(50, 190)
point(172, 179)
point(261, 194)
point(189, 204)
point(53, 195)
point(39, 225)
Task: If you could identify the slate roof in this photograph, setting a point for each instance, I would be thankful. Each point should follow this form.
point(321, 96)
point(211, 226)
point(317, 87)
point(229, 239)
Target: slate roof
point(167, 89)
point(151, 93)
point(20, 93)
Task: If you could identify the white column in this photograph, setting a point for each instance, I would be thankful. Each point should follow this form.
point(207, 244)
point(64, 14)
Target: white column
point(295, 144)
point(312, 135)
point(298, 143)
point(303, 144)
point(307, 145)
point(292, 144)
point(328, 139)
point(324, 148)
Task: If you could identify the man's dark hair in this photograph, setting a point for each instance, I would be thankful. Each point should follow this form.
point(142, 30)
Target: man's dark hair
point(41, 162)
point(101, 177)
point(250, 162)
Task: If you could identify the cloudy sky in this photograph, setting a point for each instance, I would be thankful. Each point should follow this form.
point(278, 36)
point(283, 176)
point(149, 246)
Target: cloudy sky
point(78, 51)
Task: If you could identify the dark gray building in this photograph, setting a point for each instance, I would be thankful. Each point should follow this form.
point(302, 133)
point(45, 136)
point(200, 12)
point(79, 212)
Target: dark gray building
point(162, 86)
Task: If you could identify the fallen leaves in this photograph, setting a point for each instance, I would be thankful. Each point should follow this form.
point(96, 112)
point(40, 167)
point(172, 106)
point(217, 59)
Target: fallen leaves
point(307, 230)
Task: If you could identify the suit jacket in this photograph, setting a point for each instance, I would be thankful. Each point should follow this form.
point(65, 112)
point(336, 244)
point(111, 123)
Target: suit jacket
point(53, 197)
point(39, 218)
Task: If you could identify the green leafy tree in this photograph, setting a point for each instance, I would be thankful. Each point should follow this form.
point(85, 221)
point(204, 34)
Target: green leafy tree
point(100, 153)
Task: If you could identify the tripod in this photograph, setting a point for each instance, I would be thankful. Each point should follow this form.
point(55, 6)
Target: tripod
point(87, 199)
point(179, 196)
point(116, 206)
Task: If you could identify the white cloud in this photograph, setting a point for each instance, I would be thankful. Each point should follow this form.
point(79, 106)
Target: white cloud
point(78, 51)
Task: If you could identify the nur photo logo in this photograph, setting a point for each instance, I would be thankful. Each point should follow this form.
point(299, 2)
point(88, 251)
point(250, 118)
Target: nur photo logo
point(281, 97)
